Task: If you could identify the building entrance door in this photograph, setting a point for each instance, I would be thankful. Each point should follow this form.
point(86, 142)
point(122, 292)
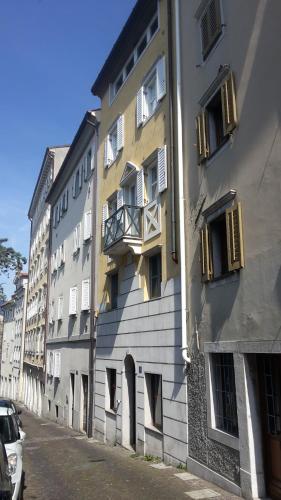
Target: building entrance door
point(71, 399)
point(269, 368)
point(129, 409)
point(84, 402)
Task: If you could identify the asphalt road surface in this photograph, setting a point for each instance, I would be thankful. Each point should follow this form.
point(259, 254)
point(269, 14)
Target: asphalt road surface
point(61, 464)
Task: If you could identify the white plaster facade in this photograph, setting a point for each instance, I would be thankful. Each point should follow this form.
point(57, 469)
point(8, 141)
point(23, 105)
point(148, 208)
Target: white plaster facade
point(70, 288)
point(39, 215)
point(238, 312)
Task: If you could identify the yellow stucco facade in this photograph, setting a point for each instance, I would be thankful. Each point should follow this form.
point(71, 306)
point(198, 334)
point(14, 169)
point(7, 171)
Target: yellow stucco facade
point(139, 144)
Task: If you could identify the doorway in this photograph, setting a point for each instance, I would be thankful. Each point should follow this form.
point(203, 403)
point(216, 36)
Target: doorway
point(84, 403)
point(129, 403)
point(269, 369)
point(71, 399)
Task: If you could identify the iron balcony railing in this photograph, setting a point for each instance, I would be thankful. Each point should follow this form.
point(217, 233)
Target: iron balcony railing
point(124, 223)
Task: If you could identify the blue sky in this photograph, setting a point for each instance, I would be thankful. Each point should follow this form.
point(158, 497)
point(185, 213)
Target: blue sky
point(51, 52)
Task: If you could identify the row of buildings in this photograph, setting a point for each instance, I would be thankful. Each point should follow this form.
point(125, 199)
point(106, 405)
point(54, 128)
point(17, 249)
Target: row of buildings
point(152, 314)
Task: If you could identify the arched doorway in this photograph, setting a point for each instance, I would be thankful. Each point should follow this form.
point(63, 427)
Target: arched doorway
point(129, 403)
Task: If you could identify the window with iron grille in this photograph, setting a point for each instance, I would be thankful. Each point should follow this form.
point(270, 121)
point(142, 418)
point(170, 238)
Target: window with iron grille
point(210, 26)
point(111, 380)
point(225, 406)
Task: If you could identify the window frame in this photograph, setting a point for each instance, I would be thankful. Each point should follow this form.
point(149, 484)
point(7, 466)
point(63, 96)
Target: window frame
point(157, 276)
point(111, 380)
point(230, 207)
point(151, 402)
point(216, 39)
point(113, 296)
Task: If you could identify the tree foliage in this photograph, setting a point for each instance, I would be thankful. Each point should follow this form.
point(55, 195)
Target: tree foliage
point(10, 260)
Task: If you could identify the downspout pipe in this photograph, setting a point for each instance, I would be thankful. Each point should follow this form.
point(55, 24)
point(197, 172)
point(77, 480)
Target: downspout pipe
point(184, 346)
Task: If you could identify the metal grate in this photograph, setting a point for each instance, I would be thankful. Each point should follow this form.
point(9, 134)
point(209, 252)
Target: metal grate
point(273, 392)
point(225, 393)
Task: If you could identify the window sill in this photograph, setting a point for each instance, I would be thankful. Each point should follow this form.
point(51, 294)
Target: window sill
point(153, 429)
point(230, 277)
point(111, 412)
point(218, 151)
point(223, 438)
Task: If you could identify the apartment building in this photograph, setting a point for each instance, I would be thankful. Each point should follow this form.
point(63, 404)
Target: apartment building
point(140, 385)
point(39, 216)
point(8, 341)
point(11, 383)
point(228, 75)
point(70, 332)
point(20, 298)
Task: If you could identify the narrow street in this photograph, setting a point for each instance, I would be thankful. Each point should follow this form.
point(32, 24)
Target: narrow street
point(62, 464)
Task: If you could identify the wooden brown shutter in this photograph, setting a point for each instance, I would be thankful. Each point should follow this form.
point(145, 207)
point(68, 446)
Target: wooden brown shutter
point(202, 136)
point(228, 99)
point(234, 231)
point(206, 261)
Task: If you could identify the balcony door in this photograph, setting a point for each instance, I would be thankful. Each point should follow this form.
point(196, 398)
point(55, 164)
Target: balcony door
point(269, 369)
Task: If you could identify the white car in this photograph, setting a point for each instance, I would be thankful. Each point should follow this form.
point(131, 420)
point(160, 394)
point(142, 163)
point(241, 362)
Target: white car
point(12, 437)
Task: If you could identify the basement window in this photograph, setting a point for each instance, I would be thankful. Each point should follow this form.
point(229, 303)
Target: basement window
point(225, 405)
point(154, 396)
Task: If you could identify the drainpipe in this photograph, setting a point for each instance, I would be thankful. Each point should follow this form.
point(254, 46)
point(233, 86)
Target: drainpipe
point(184, 347)
point(93, 311)
point(172, 149)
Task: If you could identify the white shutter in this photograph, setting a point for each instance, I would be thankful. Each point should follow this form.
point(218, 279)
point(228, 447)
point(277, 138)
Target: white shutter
point(85, 300)
point(140, 107)
point(120, 198)
point(73, 300)
point(87, 225)
point(140, 188)
point(108, 157)
point(57, 364)
point(92, 158)
point(161, 78)
point(75, 240)
point(48, 363)
point(162, 169)
point(60, 307)
point(120, 132)
point(104, 217)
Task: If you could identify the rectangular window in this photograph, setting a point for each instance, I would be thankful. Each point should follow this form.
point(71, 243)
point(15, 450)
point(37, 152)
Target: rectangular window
point(154, 393)
point(210, 26)
point(88, 165)
point(151, 92)
point(217, 119)
point(155, 276)
point(73, 301)
point(152, 183)
point(222, 244)
point(111, 383)
point(60, 308)
point(77, 183)
point(225, 393)
point(113, 290)
point(141, 46)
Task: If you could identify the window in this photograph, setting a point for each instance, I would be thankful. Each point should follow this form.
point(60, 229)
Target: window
point(155, 276)
point(222, 244)
point(60, 308)
point(152, 183)
point(210, 26)
point(73, 301)
point(111, 383)
point(85, 299)
point(133, 58)
point(88, 165)
point(152, 92)
point(87, 225)
point(141, 46)
point(77, 183)
point(154, 394)
point(217, 119)
point(114, 141)
point(113, 290)
point(76, 238)
point(225, 393)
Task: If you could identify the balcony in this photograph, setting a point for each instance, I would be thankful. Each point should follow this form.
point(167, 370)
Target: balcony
point(123, 231)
